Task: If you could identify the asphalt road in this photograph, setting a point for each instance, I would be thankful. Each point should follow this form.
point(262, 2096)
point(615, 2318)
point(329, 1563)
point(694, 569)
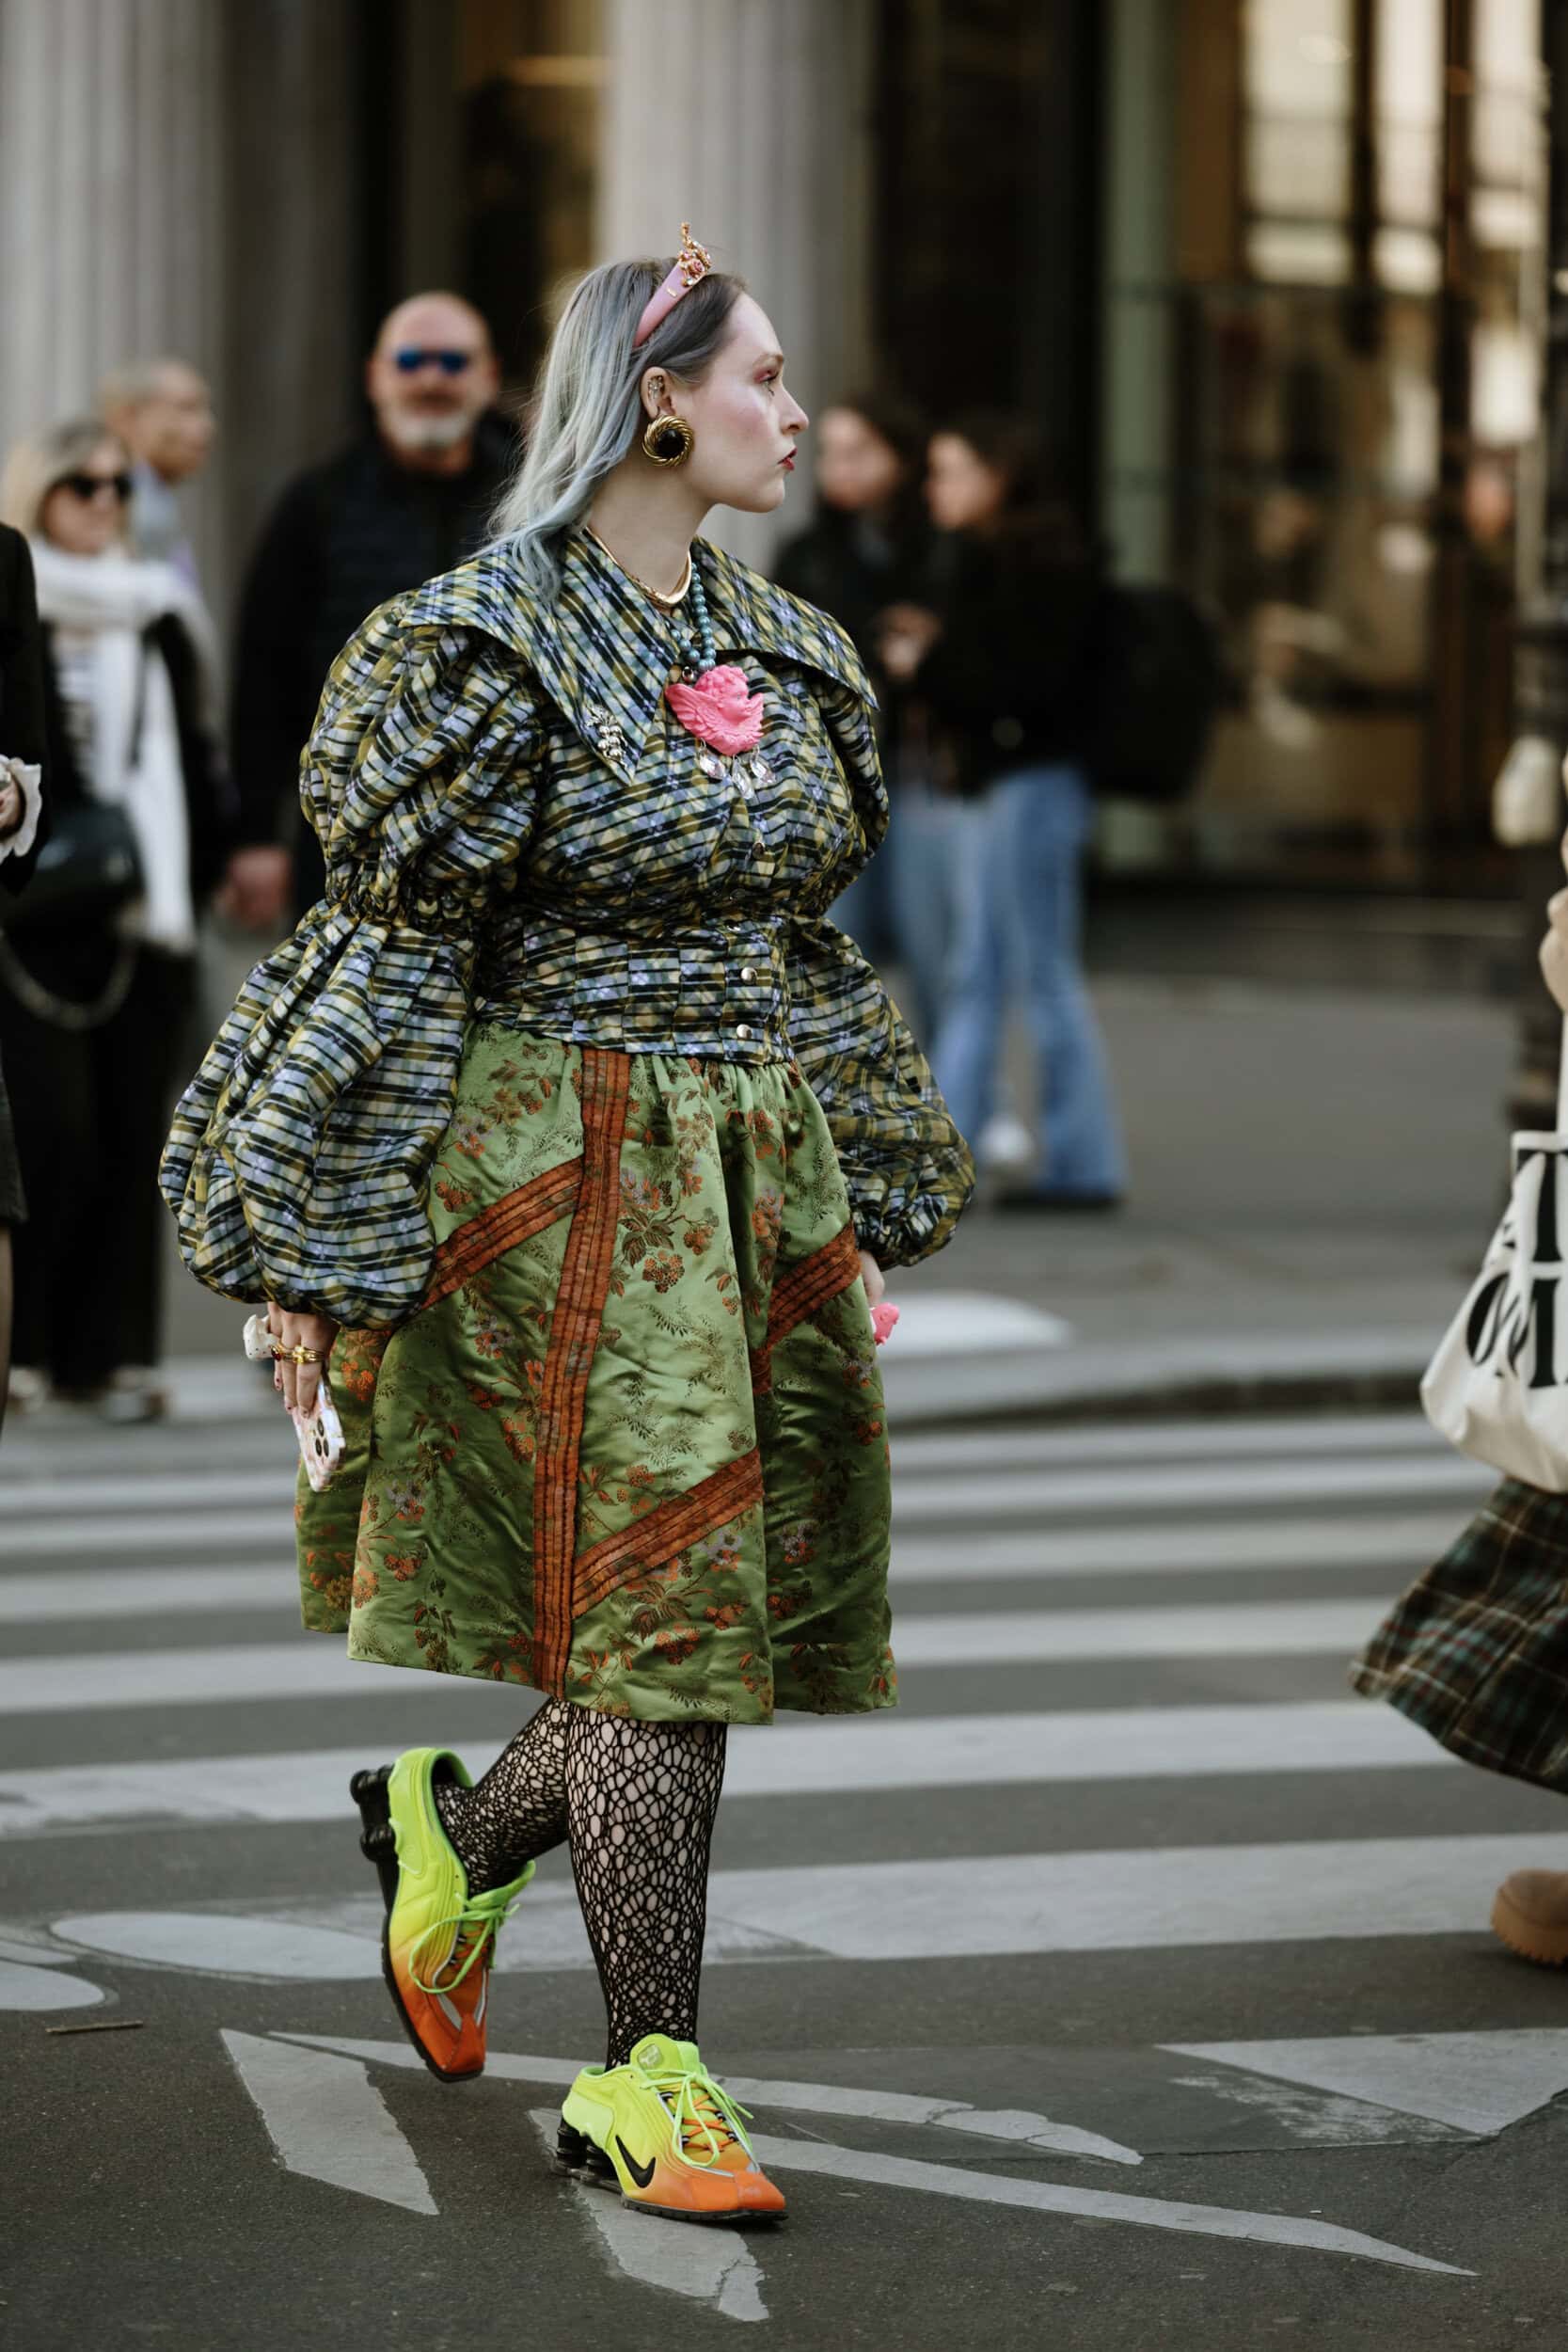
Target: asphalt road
point(1130, 1988)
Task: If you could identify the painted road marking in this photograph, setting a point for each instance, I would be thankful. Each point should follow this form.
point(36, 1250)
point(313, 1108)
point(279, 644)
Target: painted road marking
point(218, 1533)
point(270, 1950)
point(1193, 1895)
point(25, 1986)
point(1479, 2082)
point(714, 2266)
point(1402, 1543)
point(1035, 2132)
point(66, 1594)
point(328, 2121)
point(943, 2180)
point(1165, 1441)
point(148, 1490)
point(1125, 1492)
point(963, 1908)
point(299, 1669)
point(787, 1759)
point(1149, 2213)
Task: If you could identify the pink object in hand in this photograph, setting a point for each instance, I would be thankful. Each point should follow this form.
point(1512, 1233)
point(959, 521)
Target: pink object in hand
point(883, 1320)
point(718, 709)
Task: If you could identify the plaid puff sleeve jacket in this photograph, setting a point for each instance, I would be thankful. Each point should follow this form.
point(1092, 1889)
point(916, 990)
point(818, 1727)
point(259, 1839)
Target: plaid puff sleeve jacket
point(518, 832)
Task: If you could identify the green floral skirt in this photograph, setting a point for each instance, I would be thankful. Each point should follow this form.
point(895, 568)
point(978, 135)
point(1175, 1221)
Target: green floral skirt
point(631, 1448)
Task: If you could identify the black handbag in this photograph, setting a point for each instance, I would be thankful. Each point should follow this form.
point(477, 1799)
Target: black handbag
point(86, 871)
point(90, 866)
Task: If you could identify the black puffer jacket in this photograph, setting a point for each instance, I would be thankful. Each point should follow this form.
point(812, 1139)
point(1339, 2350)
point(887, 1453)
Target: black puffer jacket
point(853, 572)
point(343, 538)
point(1010, 681)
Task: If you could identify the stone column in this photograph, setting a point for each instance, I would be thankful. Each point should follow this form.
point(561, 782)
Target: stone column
point(112, 213)
point(750, 119)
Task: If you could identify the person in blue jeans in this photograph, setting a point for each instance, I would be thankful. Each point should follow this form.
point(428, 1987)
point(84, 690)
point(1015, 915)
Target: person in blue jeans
point(869, 547)
point(1004, 667)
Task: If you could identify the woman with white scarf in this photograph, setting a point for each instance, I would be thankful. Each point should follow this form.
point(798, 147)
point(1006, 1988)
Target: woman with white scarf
point(94, 990)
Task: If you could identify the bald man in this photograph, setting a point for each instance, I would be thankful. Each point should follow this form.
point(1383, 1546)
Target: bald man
point(410, 500)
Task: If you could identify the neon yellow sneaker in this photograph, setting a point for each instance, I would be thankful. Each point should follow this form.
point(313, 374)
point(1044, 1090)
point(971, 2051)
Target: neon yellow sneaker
point(439, 1941)
point(664, 2132)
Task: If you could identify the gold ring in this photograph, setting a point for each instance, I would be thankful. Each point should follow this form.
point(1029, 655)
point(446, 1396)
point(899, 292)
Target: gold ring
point(303, 1355)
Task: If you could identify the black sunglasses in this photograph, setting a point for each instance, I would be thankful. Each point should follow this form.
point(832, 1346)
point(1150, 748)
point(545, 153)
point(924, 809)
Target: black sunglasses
point(413, 357)
point(86, 485)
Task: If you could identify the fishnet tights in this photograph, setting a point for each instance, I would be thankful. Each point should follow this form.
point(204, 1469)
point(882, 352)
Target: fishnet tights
point(637, 1801)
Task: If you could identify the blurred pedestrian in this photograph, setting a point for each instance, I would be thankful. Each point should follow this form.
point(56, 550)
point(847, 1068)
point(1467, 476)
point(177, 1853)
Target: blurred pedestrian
point(408, 500)
point(162, 411)
point(1003, 662)
point(869, 548)
point(97, 963)
point(21, 748)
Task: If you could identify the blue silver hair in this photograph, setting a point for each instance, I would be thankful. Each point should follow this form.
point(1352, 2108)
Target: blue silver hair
point(588, 413)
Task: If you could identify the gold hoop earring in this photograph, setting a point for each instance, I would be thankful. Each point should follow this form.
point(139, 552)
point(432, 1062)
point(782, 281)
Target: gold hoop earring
point(667, 440)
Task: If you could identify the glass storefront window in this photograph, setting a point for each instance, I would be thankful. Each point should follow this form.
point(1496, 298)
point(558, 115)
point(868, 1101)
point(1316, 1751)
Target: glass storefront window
point(1333, 487)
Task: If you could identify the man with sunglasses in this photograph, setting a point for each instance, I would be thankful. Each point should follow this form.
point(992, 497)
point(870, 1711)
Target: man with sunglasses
point(410, 500)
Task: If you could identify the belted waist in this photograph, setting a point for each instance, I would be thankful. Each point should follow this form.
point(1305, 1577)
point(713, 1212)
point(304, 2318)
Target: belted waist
point(718, 991)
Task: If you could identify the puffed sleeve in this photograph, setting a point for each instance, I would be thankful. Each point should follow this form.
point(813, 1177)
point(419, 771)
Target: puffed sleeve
point(907, 1170)
point(299, 1159)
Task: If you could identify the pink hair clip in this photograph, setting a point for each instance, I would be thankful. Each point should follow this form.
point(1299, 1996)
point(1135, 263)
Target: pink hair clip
point(883, 1320)
point(691, 265)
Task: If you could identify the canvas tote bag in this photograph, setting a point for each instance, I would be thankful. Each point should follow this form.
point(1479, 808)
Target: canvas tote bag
point(1497, 1387)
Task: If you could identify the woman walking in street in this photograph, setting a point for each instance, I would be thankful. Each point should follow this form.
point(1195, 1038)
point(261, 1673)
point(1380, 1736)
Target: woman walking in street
point(1003, 665)
point(577, 1139)
point(96, 982)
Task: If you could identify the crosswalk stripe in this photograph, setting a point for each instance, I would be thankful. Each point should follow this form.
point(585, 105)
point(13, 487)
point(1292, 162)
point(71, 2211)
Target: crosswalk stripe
point(1402, 1543)
point(264, 1469)
point(1180, 1896)
point(1118, 1492)
point(922, 1453)
point(963, 1907)
point(1405, 1543)
point(116, 1534)
point(787, 1759)
point(1026, 1636)
point(290, 1669)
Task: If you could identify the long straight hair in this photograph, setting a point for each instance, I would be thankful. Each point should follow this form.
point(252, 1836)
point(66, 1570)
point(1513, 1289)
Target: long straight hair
point(588, 413)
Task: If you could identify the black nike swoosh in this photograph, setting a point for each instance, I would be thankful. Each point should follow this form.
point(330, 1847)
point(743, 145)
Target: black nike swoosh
point(640, 2174)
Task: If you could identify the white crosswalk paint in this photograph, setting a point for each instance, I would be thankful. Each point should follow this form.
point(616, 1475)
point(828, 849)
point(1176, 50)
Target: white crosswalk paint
point(1022, 2131)
point(115, 1535)
point(1399, 1546)
point(148, 1490)
point(328, 2121)
point(965, 1908)
point(1480, 2082)
point(787, 1760)
point(779, 2155)
point(922, 1454)
point(1053, 1494)
point(23, 1985)
point(714, 2266)
point(1399, 1543)
point(292, 1669)
point(1133, 1901)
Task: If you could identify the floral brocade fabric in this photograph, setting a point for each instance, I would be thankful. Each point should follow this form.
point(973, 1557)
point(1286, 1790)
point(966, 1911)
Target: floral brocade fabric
point(630, 1449)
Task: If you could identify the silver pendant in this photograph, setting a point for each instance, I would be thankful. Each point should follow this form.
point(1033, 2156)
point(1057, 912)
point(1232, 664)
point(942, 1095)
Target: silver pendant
point(759, 770)
point(710, 764)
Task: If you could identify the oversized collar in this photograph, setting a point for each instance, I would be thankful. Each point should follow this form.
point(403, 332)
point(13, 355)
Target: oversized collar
point(604, 653)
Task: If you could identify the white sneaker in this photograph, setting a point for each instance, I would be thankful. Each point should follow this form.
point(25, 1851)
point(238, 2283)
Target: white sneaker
point(134, 1393)
point(25, 1389)
point(1005, 1146)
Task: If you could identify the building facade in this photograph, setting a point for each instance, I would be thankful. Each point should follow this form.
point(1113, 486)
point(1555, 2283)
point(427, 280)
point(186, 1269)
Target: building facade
point(1269, 272)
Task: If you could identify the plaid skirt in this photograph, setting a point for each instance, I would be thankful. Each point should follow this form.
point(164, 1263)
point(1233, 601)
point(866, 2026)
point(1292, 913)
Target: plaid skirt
point(1477, 1650)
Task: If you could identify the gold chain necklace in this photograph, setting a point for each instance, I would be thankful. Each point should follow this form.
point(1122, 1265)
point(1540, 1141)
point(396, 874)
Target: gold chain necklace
point(667, 601)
